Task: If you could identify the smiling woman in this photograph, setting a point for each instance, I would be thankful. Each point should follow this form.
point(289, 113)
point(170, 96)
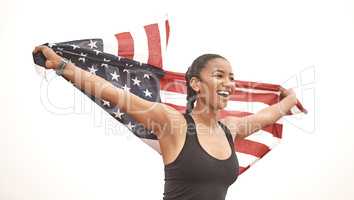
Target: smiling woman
point(198, 135)
point(207, 142)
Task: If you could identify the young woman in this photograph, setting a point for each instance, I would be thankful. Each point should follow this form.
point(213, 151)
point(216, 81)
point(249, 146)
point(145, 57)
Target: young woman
point(197, 147)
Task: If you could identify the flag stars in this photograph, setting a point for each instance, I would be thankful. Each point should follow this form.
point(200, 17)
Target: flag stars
point(130, 125)
point(136, 81)
point(114, 76)
point(92, 44)
point(147, 76)
point(83, 57)
point(74, 46)
point(118, 114)
point(97, 51)
point(126, 88)
point(106, 103)
point(92, 69)
point(147, 93)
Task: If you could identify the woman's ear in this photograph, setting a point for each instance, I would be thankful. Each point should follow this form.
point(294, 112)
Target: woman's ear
point(195, 84)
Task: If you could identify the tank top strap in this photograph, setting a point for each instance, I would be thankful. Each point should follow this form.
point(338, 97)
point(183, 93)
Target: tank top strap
point(228, 134)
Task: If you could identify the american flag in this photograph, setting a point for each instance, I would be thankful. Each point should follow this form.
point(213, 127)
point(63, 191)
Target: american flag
point(147, 79)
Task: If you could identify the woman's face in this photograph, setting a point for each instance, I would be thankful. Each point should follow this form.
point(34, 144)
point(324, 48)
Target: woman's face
point(216, 84)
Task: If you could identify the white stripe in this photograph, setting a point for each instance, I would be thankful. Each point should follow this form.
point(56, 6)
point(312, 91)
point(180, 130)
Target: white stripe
point(250, 106)
point(180, 100)
point(141, 49)
point(265, 138)
point(245, 160)
point(173, 98)
point(110, 44)
point(162, 30)
point(257, 91)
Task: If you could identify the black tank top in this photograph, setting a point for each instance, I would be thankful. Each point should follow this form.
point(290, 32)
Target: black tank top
point(195, 174)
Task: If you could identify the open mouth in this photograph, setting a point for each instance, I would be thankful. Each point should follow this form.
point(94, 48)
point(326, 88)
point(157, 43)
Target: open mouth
point(223, 93)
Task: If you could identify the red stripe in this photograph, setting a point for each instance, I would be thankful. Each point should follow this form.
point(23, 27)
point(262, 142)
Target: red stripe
point(242, 169)
point(300, 107)
point(274, 129)
point(258, 86)
point(173, 81)
point(154, 44)
point(267, 98)
point(250, 147)
point(167, 25)
point(125, 45)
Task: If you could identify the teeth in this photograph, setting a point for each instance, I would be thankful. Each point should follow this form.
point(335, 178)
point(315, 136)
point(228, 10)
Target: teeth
point(223, 93)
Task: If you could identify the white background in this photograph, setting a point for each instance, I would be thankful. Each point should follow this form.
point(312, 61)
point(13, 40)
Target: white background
point(80, 153)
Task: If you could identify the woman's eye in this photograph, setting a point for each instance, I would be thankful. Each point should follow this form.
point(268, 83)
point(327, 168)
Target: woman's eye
point(232, 78)
point(218, 75)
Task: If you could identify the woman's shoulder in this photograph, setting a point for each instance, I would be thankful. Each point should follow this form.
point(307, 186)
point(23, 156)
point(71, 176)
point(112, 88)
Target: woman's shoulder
point(232, 123)
point(172, 141)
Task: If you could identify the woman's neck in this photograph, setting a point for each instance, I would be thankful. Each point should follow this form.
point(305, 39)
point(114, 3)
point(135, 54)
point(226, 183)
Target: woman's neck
point(206, 115)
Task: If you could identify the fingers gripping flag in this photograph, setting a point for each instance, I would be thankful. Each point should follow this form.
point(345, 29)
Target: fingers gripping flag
point(151, 82)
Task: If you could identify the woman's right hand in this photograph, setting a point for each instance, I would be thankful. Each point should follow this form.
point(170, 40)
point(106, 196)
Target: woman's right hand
point(52, 59)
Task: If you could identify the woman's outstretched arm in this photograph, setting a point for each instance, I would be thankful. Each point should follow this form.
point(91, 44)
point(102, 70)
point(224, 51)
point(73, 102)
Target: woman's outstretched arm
point(154, 116)
point(242, 127)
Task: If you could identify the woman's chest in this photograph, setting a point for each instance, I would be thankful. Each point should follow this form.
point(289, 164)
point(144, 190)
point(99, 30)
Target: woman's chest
point(201, 167)
point(215, 143)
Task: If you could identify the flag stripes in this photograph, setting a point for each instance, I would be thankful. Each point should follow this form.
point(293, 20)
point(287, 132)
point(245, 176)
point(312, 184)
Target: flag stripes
point(147, 44)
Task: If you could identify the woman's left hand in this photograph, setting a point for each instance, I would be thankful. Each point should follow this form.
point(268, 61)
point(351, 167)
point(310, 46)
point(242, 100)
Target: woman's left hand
point(286, 92)
point(52, 59)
